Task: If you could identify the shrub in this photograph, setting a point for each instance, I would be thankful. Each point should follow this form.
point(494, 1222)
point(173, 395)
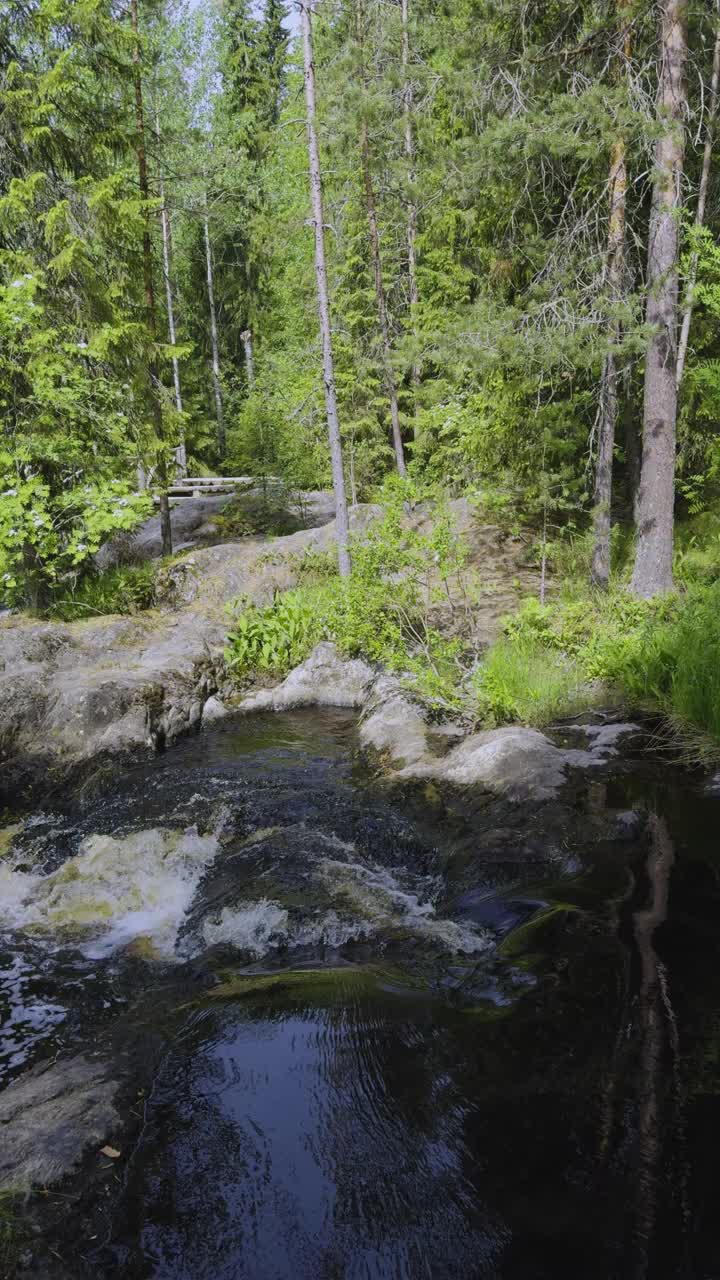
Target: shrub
point(252, 514)
point(382, 612)
point(125, 589)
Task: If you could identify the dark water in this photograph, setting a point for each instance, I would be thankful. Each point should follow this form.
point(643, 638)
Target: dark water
point(494, 1053)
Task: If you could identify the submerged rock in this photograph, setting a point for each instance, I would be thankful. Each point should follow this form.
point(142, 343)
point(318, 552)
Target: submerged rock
point(50, 1116)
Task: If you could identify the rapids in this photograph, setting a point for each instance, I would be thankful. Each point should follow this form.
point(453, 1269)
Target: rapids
point(369, 1033)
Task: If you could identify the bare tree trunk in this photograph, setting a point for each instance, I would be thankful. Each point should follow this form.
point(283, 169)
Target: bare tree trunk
point(388, 372)
point(702, 199)
point(653, 559)
point(600, 574)
point(180, 453)
point(247, 341)
point(610, 377)
point(219, 413)
point(322, 295)
point(151, 319)
point(411, 229)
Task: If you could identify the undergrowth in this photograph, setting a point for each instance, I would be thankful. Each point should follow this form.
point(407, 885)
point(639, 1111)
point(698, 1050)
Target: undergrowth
point(408, 607)
point(383, 612)
point(659, 656)
point(124, 589)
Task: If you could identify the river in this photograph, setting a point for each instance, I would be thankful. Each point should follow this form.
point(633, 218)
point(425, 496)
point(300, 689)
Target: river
point(366, 1032)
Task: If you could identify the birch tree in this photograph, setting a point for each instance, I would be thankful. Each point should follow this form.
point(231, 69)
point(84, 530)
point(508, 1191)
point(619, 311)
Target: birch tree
point(149, 288)
point(609, 398)
point(408, 98)
point(321, 284)
point(214, 346)
point(376, 257)
point(180, 452)
point(701, 202)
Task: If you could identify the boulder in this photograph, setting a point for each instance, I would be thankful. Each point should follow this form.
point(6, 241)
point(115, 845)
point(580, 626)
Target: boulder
point(187, 519)
point(394, 726)
point(516, 762)
point(324, 679)
point(50, 1116)
point(213, 710)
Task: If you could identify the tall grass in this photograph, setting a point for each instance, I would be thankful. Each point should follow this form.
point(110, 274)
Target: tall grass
point(530, 683)
point(675, 668)
point(661, 657)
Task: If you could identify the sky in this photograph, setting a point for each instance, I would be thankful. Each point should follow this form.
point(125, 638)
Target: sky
point(293, 18)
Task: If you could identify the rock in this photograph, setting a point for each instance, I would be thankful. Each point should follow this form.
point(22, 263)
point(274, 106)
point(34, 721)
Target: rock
point(394, 725)
point(324, 679)
point(50, 1116)
point(187, 519)
point(71, 693)
point(516, 762)
point(603, 743)
point(213, 710)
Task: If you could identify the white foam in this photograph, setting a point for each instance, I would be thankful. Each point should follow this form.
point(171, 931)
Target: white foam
point(113, 891)
point(257, 927)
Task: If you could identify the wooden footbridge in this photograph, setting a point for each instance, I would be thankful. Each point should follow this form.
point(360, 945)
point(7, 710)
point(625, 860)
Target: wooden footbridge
point(190, 487)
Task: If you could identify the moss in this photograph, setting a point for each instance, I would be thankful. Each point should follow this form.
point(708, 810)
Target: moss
point(11, 1230)
point(516, 944)
point(7, 836)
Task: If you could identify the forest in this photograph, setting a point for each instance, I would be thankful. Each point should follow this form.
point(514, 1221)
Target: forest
point(411, 251)
point(359, 639)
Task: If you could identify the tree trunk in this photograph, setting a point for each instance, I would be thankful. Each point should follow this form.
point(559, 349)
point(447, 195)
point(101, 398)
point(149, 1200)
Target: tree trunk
point(322, 295)
point(151, 319)
point(411, 228)
point(600, 574)
point(246, 339)
point(702, 198)
point(219, 413)
point(653, 559)
point(180, 453)
point(388, 372)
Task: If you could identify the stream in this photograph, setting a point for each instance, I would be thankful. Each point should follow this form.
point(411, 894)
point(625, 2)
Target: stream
point(365, 1032)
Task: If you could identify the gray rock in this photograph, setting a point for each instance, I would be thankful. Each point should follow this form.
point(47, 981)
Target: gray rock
point(213, 710)
point(516, 762)
point(394, 726)
point(50, 1116)
point(603, 743)
point(71, 692)
point(324, 679)
point(187, 519)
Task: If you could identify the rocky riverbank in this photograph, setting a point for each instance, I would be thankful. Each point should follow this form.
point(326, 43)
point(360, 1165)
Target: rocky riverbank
point(76, 695)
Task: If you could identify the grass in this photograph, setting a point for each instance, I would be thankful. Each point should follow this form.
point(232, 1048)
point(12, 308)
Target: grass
point(659, 657)
point(531, 684)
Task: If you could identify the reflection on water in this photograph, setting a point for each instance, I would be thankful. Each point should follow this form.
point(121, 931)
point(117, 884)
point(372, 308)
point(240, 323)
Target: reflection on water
point(383, 1037)
point(281, 1146)
point(658, 1037)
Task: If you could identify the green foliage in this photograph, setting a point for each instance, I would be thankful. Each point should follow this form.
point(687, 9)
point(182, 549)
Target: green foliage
point(45, 534)
point(661, 657)
point(250, 514)
point(531, 683)
point(274, 638)
point(125, 589)
point(382, 612)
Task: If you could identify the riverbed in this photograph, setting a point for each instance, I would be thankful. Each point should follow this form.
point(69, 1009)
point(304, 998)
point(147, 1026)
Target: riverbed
point(369, 1031)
